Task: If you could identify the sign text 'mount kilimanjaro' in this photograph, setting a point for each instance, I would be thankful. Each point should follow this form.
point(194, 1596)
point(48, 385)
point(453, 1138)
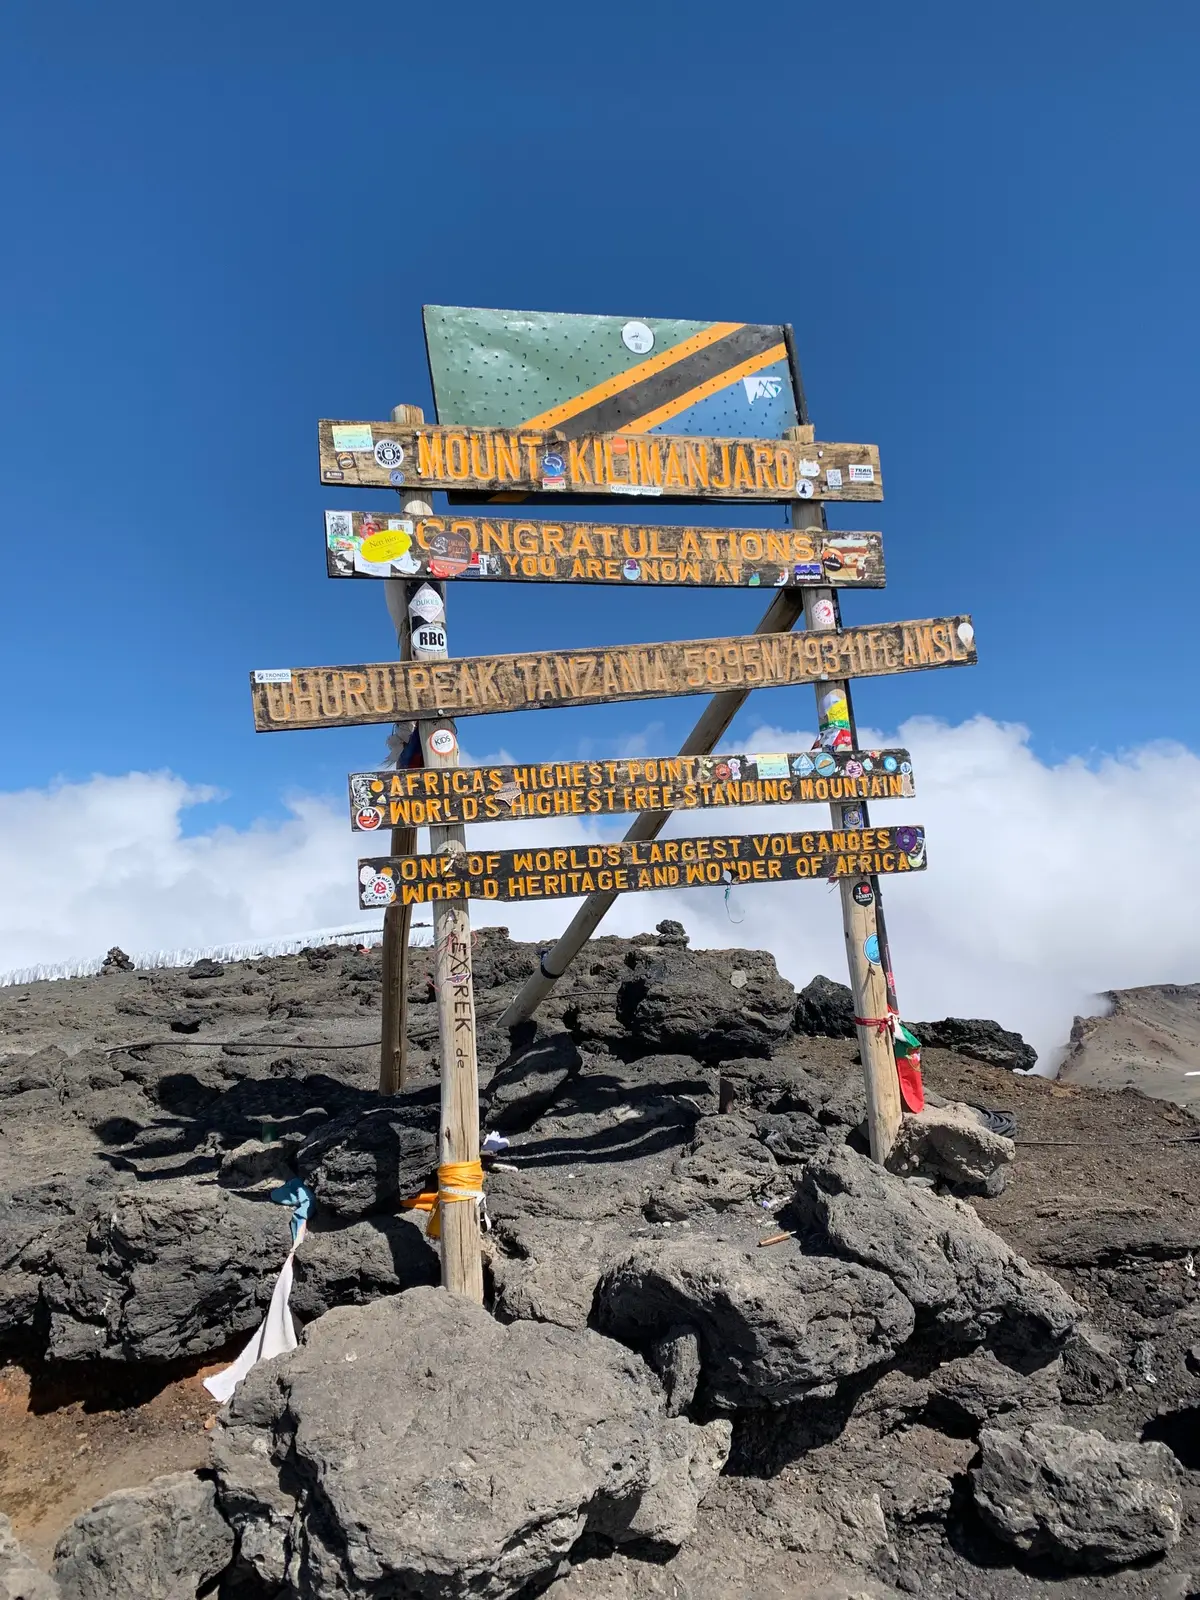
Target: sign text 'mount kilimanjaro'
point(375, 544)
point(391, 455)
point(391, 691)
point(414, 797)
point(567, 871)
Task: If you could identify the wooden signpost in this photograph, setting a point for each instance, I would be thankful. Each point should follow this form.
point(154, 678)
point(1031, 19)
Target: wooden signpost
point(416, 797)
point(589, 439)
point(564, 872)
point(364, 544)
point(484, 461)
point(388, 691)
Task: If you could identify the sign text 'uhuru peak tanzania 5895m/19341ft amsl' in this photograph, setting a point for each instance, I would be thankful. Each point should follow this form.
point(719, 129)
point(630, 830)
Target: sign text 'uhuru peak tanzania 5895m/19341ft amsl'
point(390, 691)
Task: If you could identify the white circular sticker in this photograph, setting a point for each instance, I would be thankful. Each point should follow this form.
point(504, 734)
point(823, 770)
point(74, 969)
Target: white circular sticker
point(442, 742)
point(823, 613)
point(389, 453)
point(636, 336)
point(804, 488)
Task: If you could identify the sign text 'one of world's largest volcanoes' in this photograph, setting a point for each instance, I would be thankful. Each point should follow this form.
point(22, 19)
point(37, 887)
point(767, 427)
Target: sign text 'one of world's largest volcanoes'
point(392, 455)
point(390, 691)
point(562, 872)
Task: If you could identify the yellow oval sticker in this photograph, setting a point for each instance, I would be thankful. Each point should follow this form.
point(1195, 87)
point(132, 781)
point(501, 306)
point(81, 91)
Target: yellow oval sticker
point(387, 544)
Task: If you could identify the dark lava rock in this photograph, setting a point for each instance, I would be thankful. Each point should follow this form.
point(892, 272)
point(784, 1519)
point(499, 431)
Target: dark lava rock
point(772, 1324)
point(205, 968)
point(167, 1539)
point(1077, 1497)
point(671, 932)
point(362, 1162)
point(714, 1005)
point(116, 961)
point(979, 1039)
point(418, 1447)
point(530, 1081)
point(963, 1279)
point(826, 1007)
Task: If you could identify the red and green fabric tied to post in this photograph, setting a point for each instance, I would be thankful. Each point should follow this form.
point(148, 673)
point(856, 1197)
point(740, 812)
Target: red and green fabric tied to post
point(906, 1049)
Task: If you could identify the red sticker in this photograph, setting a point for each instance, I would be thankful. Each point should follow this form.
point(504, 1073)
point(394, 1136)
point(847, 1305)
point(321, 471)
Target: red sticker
point(368, 818)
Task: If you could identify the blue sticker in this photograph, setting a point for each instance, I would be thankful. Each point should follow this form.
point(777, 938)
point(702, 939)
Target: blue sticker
point(553, 466)
point(889, 763)
point(395, 476)
point(871, 948)
point(802, 766)
point(809, 569)
point(906, 767)
point(825, 764)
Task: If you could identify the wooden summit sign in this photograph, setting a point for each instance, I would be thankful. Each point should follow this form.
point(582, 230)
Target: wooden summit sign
point(392, 455)
point(370, 544)
point(392, 691)
point(563, 872)
point(415, 797)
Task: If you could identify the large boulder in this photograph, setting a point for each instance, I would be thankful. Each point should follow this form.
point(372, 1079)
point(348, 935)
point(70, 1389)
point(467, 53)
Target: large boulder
point(964, 1281)
point(724, 1165)
point(419, 1447)
point(772, 1324)
point(164, 1542)
point(950, 1141)
point(1077, 1497)
point(530, 1081)
point(824, 1007)
point(711, 1004)
point(547, 1271)
point(361, 1162)
point(20, 1577)
point(979, 1038)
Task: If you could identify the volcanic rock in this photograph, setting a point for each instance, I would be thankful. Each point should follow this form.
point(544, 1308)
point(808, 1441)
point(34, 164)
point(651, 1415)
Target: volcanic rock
point(417, 1446)
point(20, 1577)
point(164, 1542)
point(363, 1161)
point(1077, 1497)
point(978, 1038)
point(825, 1007)
point(678, 999)
point(949, 1141)
point(962, 1279)
point(772, 1324)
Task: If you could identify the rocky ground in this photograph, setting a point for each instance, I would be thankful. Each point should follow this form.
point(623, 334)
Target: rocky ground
point(977, 1376)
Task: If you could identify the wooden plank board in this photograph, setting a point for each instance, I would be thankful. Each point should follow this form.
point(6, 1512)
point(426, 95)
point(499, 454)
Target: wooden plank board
point(395, 691)
point(418, 797)
point(485, 461)
point(373, 544)
point(564, 872)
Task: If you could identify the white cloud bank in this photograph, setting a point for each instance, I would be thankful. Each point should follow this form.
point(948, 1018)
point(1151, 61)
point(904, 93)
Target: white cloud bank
point(1045, 885)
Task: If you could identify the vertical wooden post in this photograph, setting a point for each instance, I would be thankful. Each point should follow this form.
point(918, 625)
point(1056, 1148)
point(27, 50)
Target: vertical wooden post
point(397, 920)
point(868, 982)
point(458, 1134)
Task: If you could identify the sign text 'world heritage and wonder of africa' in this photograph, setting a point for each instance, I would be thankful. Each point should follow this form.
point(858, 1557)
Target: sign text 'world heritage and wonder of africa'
point(392, 691)
point(563, 872)
point(417, 796)
point(372, 544)
point(391, 455)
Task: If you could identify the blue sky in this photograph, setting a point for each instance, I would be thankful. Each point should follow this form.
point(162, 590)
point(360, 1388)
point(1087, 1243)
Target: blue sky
point(222, 222)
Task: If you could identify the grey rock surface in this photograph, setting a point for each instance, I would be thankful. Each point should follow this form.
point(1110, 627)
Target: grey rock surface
point(825, 1007)
point(164, 1542)
point(1078, 1497)
point(361, 1162)
point(20, 1577)
point(962, 1278)
point(530, 1081)
point(724, 1165)
point(772, 1324)
point(979, 1038)
point(975, 1389)
point(677, 999)
point(417, 1446)
point(949, 1141)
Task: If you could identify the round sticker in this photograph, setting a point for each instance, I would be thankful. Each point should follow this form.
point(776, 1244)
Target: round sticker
point(868, 764)
point(396, 477)
point(871, 948)
point(889, 763)
point(906, 839)
point(804, 488)
point(442, 742)
point(387, 544)
point(449, 554)
point(388, 453)
point(429, 641)
point(636, 336)
point(632, 570)
point(553, 465)
point(380, 891)
point(852, 817)
point(906, 767)
point(825, 764)
point(966, 633)
point(365, 874)
point(823, 613)
point(853, 769)
point(369, 818)
point(863, 897)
